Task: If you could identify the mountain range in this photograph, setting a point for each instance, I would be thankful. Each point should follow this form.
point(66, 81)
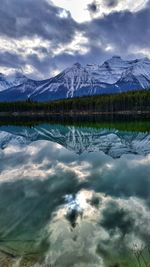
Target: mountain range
point(113, 76)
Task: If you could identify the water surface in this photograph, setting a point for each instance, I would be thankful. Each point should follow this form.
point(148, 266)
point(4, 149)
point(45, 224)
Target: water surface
point(75, 195)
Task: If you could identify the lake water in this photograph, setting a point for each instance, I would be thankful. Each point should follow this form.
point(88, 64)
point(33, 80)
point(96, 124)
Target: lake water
point(75, 194)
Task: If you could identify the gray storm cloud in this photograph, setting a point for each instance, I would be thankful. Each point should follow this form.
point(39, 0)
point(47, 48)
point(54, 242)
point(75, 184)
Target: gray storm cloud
point(45, 24)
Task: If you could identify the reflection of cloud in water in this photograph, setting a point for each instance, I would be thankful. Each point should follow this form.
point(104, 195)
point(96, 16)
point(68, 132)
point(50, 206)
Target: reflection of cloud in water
point(105, 232)
point(72, 209)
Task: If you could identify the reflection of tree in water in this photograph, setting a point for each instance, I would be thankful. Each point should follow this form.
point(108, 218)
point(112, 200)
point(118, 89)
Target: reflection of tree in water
point(142, 255)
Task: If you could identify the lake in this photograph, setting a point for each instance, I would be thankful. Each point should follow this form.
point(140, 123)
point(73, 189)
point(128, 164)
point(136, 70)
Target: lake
point(75, 193)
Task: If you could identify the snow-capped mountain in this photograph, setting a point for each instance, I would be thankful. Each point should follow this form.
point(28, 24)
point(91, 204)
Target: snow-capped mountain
point(114, 75)
point(4, 83)
point(13, 80)
point(18, 78)
point(112, 142)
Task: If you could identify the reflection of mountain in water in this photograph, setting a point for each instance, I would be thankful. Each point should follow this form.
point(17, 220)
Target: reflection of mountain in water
point(111, 141)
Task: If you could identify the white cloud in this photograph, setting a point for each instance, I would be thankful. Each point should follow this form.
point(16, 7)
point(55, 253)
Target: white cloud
point(79, 9)
point(130, 5)
point(140, 51)
point(23, 46)
point(78, 45)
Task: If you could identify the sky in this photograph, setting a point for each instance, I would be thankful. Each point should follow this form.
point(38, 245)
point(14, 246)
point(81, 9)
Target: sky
point(43, 37)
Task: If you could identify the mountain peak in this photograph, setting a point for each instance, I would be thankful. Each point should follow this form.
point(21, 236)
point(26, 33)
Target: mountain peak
point(145, 60)
point(17, 74)
point(77, 64)
point(115, 60)
point(116, 57)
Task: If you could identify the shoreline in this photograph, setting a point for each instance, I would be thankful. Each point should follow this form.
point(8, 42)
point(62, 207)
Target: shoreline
point(71, 113)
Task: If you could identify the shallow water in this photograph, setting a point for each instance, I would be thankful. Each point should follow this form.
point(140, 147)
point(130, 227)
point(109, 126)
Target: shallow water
point(74, 196)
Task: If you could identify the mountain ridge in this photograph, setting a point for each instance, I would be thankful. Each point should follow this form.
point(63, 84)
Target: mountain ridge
point(113, 76)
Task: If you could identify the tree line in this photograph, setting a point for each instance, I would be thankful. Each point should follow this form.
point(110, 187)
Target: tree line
point(128, 101)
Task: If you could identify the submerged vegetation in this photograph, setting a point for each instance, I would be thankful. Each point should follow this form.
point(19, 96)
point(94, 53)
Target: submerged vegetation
point(133, 101)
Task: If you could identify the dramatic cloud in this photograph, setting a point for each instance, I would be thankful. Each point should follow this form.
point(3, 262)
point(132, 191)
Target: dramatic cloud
point(35, 18)
point(34, 29)
point(42, 37)
point(119, 32)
